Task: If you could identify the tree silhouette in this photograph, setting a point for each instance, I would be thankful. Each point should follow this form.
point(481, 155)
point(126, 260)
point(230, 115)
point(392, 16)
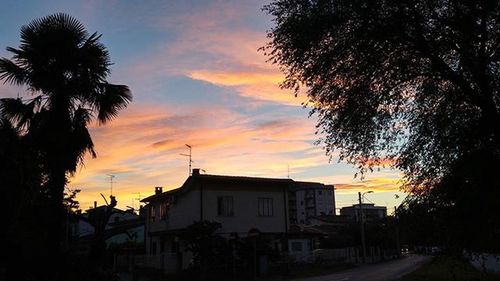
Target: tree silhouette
point(64, 69)
point(413, 81)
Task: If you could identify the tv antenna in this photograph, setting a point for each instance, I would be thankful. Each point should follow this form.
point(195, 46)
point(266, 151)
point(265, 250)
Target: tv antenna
point(111, 177)
point(190, 158)
point(138, 198)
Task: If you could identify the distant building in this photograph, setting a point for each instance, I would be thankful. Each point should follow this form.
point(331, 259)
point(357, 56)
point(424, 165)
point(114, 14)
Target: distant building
point(370, 211)
point(119, 227)
point(309, 200)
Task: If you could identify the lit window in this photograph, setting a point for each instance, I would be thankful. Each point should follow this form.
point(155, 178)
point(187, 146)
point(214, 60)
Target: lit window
point(265, 207)
point(225, 206)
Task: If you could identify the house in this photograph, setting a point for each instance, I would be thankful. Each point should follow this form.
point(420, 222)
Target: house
point(370, 211)
point(240, 204)
point(116, 227)
point(309, 200)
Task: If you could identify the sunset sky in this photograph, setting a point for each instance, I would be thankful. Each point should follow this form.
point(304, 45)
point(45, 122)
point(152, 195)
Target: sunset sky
point(197, 78)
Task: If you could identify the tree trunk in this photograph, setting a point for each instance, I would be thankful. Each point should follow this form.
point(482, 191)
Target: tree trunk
point(56, 184)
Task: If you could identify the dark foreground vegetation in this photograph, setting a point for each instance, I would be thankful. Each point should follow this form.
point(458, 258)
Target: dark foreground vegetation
point(44, 137)
point(449, 268)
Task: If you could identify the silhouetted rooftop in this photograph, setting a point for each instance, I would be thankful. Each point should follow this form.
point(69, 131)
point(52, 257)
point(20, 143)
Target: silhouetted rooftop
point(204, 178)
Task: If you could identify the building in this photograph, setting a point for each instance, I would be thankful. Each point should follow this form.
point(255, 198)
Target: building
point(240, 204)
point(309, 200)
point(115, 226)
point(370, 211)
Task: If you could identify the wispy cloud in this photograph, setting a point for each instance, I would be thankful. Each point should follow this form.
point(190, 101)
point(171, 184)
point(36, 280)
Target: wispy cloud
point(142, 147)
point(379, 184)
point(216, 45)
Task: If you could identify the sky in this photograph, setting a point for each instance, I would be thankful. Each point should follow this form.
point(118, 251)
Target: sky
point(197, 78)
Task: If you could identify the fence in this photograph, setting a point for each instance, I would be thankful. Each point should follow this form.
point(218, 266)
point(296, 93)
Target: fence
point(166, 262)
point(343, 255)
point(485, 262)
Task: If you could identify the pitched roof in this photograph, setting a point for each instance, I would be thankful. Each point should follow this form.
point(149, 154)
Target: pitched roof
point(204, 178)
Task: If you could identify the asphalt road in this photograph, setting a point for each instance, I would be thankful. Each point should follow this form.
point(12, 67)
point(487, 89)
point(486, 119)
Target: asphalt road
point(385, 271)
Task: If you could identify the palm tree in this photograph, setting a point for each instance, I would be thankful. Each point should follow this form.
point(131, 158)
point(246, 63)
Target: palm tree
point(64, 69)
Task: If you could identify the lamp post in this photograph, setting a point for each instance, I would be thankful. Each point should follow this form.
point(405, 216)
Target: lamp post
point(362, 222)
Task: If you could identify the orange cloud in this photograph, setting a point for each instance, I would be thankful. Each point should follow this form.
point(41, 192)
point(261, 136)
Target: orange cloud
point(379, 184)
point(383, 162)
point(214, 45)
point(142, 148)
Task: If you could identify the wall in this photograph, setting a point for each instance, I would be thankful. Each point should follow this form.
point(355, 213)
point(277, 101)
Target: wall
point(184, 210)
point(245, 202)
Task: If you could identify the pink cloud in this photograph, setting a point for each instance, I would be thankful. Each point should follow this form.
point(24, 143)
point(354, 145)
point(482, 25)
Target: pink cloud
point(216, 45)
point(142, 147)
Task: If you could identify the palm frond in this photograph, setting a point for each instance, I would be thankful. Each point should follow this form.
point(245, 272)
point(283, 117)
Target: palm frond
point(18, 112)
point(12, 73)
point(81, 140)
point(110, 100)
point(55, 22)
point(95, 57)
point(7, 129)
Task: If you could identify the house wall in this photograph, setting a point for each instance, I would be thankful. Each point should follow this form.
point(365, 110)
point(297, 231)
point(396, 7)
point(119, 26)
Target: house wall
point(184, 210)
point(245, 202)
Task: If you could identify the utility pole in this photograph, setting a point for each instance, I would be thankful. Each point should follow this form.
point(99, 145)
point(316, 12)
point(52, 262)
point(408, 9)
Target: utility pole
point(190, 159)
point(398, 245)
point(362, 222)
point(362, 226)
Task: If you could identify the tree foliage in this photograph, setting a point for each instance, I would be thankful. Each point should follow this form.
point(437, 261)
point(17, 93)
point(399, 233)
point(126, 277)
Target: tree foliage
point(206, 246)
point(416, 81)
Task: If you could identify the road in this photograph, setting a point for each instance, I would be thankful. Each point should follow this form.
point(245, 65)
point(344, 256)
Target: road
point(386, 271)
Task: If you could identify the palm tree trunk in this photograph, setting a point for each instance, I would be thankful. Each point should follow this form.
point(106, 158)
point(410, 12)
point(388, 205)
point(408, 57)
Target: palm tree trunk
point(57, 181)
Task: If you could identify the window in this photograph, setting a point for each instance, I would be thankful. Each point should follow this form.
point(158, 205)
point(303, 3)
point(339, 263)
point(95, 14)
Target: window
point(163, 211)
point(319, 192)
point(296, 246)
point(152, 213)
point(265, 207)
point(225, 206)
point(153, 248)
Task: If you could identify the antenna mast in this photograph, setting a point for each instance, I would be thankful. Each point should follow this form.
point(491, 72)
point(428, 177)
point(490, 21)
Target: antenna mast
point(111, 177)
point(190, 158)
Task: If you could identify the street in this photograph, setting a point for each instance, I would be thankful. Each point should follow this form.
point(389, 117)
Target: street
point(387, 271)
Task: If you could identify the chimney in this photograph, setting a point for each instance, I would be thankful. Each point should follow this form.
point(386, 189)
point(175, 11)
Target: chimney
point(158, 190)
point(95, 204)
point(196, 172)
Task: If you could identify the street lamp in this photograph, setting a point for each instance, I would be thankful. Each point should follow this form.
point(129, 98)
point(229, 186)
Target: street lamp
point(362, 222)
